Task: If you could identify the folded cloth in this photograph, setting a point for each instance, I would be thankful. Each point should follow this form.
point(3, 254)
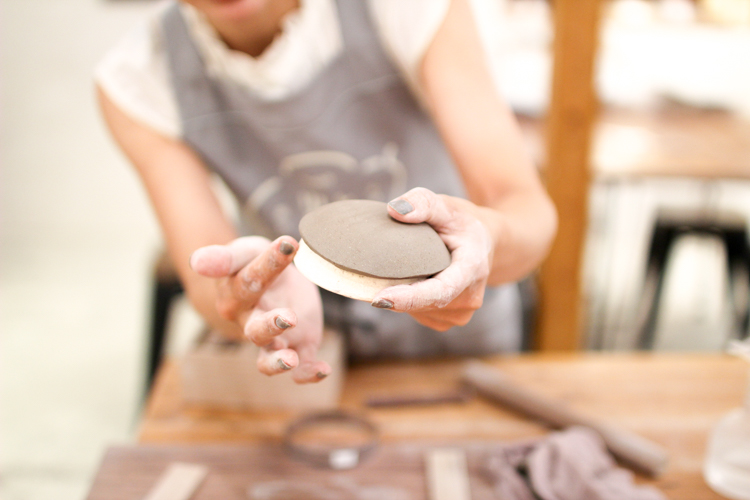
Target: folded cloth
point(568, 465)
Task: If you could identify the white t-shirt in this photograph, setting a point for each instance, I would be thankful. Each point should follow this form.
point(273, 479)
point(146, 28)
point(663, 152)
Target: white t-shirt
point(135, 75)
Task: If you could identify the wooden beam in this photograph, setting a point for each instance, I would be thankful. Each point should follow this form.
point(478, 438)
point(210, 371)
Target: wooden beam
point(569, 126)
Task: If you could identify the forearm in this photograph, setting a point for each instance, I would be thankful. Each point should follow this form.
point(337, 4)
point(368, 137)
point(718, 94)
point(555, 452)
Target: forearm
point(179, 188)
point(188, 223)
point(484, 139)
point(190, 217)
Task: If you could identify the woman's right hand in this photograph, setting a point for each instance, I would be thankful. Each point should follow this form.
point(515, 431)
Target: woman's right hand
point(277, 308)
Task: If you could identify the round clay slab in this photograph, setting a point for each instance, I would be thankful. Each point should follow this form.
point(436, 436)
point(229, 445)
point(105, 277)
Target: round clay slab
point(360, 236)
point(340, 281)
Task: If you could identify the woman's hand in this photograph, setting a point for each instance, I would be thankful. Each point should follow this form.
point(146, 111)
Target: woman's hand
point(278, 309)
point(450, 297)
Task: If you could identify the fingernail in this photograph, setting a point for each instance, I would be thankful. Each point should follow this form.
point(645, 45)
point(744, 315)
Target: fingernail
point(401, 206)
point(286, 248)
point(321, 375)
point(382, 304)
point(282, 323)
point(283, 365)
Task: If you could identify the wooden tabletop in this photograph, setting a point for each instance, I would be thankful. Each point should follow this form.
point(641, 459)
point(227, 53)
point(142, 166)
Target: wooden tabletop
point(672, 399)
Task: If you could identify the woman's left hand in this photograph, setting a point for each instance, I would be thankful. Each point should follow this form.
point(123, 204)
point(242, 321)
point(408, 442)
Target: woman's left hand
point(450, 297)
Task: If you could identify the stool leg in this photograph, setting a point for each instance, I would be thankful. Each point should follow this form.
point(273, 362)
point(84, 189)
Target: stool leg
point(661, 242)
point(164, 293)
point(738, 253)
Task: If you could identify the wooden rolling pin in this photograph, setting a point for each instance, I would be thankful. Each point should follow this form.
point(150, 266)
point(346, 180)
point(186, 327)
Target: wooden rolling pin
point(633, 450)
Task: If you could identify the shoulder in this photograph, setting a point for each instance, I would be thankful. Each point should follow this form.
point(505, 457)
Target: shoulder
point(408, 27)
point(135, 77)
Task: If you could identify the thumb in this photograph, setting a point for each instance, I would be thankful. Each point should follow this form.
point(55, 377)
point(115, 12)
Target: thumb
point(216, 261)
point(421, 205)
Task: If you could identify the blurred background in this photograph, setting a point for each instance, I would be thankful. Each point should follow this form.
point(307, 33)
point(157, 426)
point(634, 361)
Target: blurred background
point(666, 261)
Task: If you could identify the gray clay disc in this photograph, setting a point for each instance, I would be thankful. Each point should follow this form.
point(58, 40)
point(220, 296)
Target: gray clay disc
point(360, 236)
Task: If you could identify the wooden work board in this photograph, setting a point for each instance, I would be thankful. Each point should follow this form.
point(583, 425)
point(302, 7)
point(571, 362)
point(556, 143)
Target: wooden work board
point(254, 472)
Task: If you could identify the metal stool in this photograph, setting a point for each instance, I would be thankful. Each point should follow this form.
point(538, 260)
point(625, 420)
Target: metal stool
point(166, 287)
point(730, 229)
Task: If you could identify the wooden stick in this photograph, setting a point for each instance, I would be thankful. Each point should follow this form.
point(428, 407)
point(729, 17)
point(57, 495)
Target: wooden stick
point(447, 474)
point(178, 482)
point(634, 450)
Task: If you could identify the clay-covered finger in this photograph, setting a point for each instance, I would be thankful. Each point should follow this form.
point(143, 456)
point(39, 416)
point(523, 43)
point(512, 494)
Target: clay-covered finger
point(310, 370)
point(216, 261)
point(436, 292)
point(272, 362)
point(253, 279)
point(262, 329)
point(421, 205)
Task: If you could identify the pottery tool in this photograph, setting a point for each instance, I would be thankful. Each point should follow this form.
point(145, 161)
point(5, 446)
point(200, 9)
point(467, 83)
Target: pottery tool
point(332, 439)
point(419, 399)
point(355, 249)
point(634, 450)
point(178, 482)
point(447, 474)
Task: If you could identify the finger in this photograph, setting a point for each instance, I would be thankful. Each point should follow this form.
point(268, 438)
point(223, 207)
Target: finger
point(262, 329)
point(436, 292)
point(216, 261)
point(272, 362)
point(253, 279)
point(310, 370)
point(433, 323)
point(422, 205)
point(442, 320)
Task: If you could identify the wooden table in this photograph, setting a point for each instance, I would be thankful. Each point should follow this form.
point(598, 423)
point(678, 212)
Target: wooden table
point(673, 399)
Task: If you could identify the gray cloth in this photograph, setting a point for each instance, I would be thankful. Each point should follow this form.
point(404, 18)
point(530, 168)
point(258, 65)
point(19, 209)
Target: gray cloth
point(355, 132)
point(569, 465)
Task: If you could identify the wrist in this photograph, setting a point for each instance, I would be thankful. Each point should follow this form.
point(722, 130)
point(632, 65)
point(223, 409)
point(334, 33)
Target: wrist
point(492, 220)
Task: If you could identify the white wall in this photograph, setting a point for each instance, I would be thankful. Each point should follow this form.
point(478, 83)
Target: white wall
point(77, 237)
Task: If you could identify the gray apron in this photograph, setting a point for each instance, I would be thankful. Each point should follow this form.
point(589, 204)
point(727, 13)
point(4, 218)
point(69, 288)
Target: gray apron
point(355, 132)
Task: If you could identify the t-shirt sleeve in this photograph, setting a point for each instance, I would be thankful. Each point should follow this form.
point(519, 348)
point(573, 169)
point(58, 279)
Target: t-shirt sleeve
point(134, 75)
point(408, 27)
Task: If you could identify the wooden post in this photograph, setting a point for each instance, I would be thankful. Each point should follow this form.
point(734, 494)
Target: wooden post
point(569, 128)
